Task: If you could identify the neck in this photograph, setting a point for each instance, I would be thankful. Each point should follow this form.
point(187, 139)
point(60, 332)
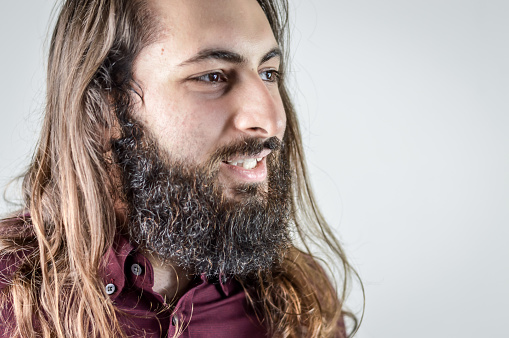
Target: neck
point(170, 281)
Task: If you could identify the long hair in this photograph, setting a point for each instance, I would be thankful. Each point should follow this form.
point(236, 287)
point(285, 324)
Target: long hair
point(70, 194)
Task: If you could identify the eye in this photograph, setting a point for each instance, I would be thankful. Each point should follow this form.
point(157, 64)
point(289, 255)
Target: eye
point(270, 75)
point(214, 77)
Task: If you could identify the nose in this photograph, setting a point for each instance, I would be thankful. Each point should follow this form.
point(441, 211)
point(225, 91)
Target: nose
point(259, 110)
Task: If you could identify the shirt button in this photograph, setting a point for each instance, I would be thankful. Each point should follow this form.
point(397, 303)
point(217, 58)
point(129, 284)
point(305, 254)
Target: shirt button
point(110, 289)
point(174, 321)
point(136, 269)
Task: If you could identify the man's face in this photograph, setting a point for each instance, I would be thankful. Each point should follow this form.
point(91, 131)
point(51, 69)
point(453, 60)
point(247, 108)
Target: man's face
point(210, 81)
point(204, 171)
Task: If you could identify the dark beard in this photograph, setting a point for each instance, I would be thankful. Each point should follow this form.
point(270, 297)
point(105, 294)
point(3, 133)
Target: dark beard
point(180, 212)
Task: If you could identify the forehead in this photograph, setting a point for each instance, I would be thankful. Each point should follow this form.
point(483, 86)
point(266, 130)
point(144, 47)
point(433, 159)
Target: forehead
point(189, 26)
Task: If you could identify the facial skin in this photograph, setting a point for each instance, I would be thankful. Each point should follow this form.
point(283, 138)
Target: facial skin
point(210, 80)
point(210, 99)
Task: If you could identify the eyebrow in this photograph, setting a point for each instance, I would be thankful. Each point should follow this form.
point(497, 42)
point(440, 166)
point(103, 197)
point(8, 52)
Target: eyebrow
point(228, 56)
point(274, 52)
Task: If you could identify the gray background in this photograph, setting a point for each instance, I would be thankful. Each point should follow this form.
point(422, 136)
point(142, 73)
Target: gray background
point(405, 118)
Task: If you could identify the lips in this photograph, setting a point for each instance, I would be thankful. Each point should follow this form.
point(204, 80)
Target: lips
point(247, 169)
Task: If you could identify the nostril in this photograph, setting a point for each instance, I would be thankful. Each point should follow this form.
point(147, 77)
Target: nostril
point(258, 129)
point(258, 113)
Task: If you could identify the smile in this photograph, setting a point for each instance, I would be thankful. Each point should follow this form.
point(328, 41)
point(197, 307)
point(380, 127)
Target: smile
point(248, 169)
point(248, 162)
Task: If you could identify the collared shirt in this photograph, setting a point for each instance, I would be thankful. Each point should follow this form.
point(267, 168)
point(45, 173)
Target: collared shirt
point(207, 309)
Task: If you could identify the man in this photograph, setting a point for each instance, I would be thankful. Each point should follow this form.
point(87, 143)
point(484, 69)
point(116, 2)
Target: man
point(168, 182)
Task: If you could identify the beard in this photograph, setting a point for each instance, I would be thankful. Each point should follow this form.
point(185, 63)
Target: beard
point(181, 213)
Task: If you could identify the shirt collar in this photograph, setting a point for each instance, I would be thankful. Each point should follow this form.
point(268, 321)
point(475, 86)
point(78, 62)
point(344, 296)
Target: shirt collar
point(114, 263)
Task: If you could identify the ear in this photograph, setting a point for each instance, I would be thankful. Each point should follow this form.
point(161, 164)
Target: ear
point(109, 132)
point(110, 128)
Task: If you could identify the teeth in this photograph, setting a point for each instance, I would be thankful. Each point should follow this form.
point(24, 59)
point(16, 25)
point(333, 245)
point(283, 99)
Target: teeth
point(249, 163)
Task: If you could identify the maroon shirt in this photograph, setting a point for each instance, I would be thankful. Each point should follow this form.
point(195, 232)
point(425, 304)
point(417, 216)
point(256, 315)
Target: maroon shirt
point(206, 310)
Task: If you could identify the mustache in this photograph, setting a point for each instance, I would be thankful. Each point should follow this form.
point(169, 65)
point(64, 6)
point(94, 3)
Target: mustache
point(249, 146)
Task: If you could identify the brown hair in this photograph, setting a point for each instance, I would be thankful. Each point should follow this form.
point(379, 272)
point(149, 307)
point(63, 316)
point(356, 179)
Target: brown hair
point(70, 195)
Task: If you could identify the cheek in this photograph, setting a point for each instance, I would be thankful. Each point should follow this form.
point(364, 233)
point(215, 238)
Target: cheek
point(281, 124)
point(186, 128)
point(203, 127)
point(160, 119)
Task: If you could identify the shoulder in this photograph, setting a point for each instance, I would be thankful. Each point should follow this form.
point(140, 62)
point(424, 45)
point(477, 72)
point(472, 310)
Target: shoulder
point(16, 226)
point(9, 264)
point(15, 235)
point(314, 278)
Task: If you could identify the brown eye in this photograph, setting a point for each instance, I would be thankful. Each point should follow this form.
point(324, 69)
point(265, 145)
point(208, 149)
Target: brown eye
point(270, 75)
point(211, 77)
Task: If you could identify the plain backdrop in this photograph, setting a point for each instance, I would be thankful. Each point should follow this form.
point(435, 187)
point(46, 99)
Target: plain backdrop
point(405, 116)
